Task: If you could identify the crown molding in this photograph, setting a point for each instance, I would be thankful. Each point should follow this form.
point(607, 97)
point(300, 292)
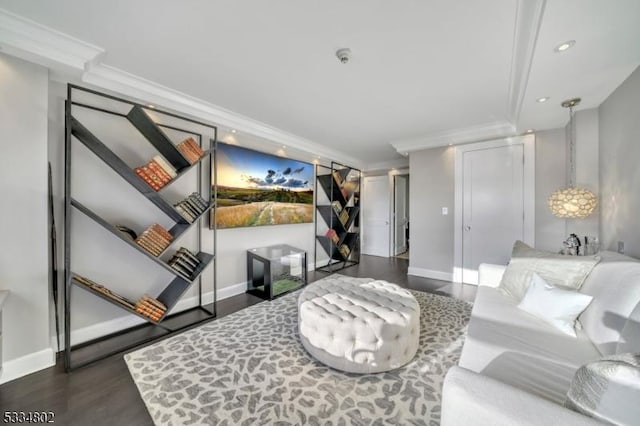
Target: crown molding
point(71, 59)
point(485, 131)
point(68, 56)
point(117, 80)
point(398, 163)
point(529, 15)
point(34, 42)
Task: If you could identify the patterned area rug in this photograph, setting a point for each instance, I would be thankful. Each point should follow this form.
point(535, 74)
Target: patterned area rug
point(249, 368)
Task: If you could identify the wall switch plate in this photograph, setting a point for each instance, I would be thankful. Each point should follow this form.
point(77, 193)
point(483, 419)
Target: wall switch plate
point(445, 211)
point(621, 247)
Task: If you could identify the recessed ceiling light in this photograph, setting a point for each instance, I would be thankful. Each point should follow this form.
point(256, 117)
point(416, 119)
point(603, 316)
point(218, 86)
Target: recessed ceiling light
point(233, 131)
point(529, 131)
point(564, 46)
point(151, 106)
point(284, 147)
point(543, 99)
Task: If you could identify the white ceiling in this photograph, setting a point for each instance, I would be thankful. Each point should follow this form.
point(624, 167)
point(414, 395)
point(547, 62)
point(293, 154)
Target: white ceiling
point(422, 73)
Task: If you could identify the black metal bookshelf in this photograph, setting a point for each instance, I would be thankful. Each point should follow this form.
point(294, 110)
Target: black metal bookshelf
point(172, 293)
point(338, 191)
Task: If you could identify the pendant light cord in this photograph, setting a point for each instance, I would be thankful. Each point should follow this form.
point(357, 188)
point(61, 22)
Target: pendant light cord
point(572, 148)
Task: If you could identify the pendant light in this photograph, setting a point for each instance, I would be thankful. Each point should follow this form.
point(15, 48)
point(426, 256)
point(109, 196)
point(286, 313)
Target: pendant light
point(572, 202)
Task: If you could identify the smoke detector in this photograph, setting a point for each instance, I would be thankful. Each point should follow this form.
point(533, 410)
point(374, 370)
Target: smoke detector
point(344, 55)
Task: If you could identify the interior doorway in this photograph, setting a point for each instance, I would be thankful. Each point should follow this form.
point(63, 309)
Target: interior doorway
point(401, 216)
point(376, 206)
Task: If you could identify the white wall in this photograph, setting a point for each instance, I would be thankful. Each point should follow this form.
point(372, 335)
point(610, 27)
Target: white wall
point(619, 167)
point(433, 186)
point(553, 173)
point(586, 163)
point(234, 243)
point(431, 233)
point(24, 265)
point(550, 176)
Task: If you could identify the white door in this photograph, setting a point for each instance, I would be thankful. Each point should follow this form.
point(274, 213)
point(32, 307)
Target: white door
point(493, 206)
point(376, 202)
point(400, 214)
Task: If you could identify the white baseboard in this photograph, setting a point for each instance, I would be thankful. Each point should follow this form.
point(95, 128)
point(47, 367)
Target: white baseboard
point(232, 290)
point(430, 273)
point(27, 364)
point(95, 331)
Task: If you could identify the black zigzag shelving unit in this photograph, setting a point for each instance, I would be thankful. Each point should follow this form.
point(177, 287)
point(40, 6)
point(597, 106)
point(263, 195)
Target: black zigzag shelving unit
point(337, 217)
point(137, 116)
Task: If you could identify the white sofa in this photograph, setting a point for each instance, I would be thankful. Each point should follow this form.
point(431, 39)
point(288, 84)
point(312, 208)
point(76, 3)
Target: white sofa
point(516, 369)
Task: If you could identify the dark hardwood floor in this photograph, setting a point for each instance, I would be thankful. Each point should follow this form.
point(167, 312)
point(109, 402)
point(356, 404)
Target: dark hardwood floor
point(105, 394)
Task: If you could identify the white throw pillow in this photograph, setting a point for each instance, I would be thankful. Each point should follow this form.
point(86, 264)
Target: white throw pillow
point(568, 272)
point(558, 307)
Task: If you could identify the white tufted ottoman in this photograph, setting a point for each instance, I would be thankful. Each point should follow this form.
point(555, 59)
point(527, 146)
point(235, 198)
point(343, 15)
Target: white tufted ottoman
point(359, 325)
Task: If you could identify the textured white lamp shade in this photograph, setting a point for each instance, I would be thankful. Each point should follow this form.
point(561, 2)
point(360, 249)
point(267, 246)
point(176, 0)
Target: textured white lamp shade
point(574, 203)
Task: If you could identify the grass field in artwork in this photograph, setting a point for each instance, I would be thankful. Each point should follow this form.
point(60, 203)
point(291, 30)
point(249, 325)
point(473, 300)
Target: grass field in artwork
point(256, 207)
point(263, 213)
point(256, 189)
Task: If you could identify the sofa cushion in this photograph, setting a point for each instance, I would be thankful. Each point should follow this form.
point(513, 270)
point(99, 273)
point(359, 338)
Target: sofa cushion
point(615, 287)
point(514, 347)
point(568, 272)
point(560, 308)
point(630, 336)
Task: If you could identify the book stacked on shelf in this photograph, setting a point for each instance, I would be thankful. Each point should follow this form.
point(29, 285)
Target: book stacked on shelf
point(185, 263)
point(337, 207)
point(191, 207)
point(347, 187)
point(155, 239)
point(150, 307)
point(344, 250)
point(345, 193)
point(350, 187)
point(337, 177)
point(333, 236)
point(103, 290)
point(344, 216)
point(157, 172)
point(190, 150)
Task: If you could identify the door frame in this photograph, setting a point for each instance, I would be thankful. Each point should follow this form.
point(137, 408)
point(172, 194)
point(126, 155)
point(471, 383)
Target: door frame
point(529, 192)
point(395, 216)
point(363, 216)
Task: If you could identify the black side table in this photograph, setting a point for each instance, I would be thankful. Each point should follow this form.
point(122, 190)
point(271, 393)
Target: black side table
point(276, 270)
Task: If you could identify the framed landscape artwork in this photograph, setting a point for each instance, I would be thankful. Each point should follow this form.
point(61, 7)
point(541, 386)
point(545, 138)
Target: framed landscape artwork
point(256, 189)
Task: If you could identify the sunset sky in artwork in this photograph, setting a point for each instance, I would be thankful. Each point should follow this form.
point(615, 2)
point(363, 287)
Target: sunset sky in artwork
point(239, 167)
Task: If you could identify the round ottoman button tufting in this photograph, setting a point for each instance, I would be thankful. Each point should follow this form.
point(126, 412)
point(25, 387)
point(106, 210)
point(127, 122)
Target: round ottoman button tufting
point(367, 326)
